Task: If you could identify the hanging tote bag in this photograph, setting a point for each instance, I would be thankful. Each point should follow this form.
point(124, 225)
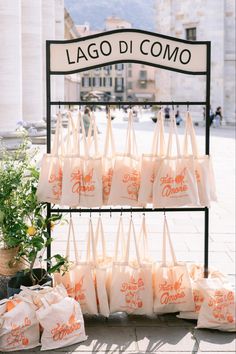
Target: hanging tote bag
point(218, 308)
point(108, 161)
point(84, 277)
point(151, 162)
point(66, 278)
point(131, 284)
point(172, 285)
point(126, 175)
point(203, 166)
point(50, 179)
point(91, 193)
point(175, 184)
point(62, 323)
point(19, 327)
point(102, 271)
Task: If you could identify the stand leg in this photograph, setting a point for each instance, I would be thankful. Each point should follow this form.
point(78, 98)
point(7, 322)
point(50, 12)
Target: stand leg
point(206, 242)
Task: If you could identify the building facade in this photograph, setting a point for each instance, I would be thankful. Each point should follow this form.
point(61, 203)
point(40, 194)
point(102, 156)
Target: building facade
point(201, 20)
point(118, 82)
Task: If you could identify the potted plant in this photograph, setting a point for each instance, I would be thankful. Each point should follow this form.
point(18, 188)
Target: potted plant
point(23, 222)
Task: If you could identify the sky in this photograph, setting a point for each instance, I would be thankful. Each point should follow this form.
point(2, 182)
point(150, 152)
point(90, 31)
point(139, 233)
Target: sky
point(140, 13)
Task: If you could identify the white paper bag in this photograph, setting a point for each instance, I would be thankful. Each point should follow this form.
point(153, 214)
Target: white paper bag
point(108, 161)
point(203, 167)
point(151, 162)
point(126, 175)
point(62, 323)
point(19, 329)
point(175, 183)
point(172, 286)
point(218, 308)
point(131, 284)
point(50, 179)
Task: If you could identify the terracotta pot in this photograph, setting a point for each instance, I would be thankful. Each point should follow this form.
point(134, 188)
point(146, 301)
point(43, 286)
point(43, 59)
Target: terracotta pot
point(6, 256)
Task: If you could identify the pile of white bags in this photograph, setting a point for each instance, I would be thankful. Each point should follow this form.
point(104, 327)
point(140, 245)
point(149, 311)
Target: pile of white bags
point(76, 174)
point(49, 311)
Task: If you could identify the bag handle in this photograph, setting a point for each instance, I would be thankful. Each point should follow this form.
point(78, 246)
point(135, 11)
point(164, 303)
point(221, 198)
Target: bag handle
point(173, 131)
point(80, 128)
point(100, 232)
point(93, 129)
point(109, 138)
point(131, 147)
point(166, 235)
point(132, 230)
point(71, 135)
point(190, 132)
point(120, 238)
point(144, 239)
point(71, 231)
point(91, 241)
point(158, 142)
point(58, 140)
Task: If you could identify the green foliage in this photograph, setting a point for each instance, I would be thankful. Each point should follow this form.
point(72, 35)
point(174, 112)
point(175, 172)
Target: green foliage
point(23, 220)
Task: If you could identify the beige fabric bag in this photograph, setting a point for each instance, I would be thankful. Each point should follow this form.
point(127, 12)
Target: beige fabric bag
point(196, 272)
point(19, 327)
point(131, 284)
point(50, 179)
point(151, 162)
point(108, 161)
point(126, 175)
point(103, 270)
point(218, 308)
point(175, 183)
point(204, 173)
point(172, 286)
point(62, 323)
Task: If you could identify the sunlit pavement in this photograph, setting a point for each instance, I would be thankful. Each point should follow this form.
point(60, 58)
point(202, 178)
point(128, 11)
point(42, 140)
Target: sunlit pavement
point(167, 334)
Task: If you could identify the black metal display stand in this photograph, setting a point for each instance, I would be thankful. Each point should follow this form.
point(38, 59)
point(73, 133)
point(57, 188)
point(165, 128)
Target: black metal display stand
point(205, 103)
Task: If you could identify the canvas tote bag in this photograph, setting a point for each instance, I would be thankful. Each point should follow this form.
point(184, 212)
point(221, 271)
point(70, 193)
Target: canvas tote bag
point(50, 179)
point(151, 162)
point(175, 184)
point(108, 161)
point(196, 272)
point(62, 323)
point(83, 275)
point(218, 308)
point(126, 175)
point(131, 284)
point(19, 327)
point(204, 173)
point(66, 278)
point(172, 285)
point(102, 271)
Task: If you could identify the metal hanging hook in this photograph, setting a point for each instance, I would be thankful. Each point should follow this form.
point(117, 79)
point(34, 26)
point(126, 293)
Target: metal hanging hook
point(110, 213)
point(187, 106)
point(90, 213)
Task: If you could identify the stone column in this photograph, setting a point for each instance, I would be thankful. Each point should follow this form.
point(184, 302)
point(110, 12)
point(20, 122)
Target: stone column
point(10, 64)
point(48, 33)
point(59, 34)
point(32, 60)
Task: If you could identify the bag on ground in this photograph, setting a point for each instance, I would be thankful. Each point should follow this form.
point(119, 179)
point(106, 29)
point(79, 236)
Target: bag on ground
point(218, 308)
point(19, 327)
point(62, 323)
point(172, 285)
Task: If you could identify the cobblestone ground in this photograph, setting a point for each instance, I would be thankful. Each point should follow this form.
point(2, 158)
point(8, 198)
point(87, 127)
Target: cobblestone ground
point(167, 334)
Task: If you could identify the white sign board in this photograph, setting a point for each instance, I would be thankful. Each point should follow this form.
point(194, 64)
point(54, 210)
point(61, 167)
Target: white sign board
point(127, 46)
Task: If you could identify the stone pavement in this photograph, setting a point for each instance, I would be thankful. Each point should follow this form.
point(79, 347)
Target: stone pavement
point(167, 334)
